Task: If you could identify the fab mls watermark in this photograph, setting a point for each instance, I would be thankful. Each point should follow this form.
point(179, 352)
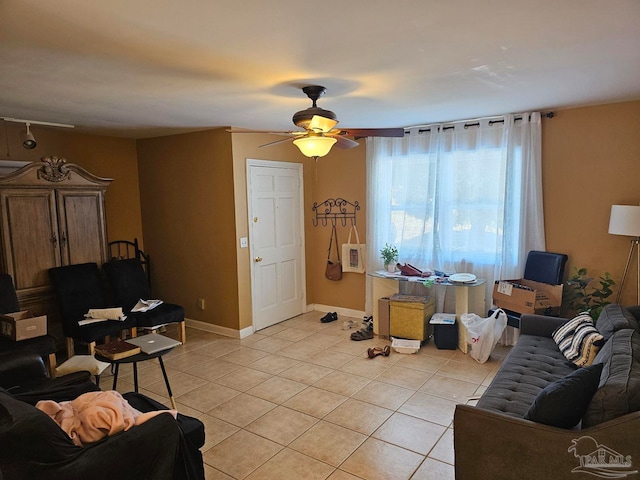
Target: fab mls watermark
point(599, 460)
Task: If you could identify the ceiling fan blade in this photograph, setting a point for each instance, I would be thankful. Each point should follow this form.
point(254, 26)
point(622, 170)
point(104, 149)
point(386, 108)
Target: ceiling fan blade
point(373, 132)
point(321, 124)
point(270, 144)
point(344, 143)
point(271, 132)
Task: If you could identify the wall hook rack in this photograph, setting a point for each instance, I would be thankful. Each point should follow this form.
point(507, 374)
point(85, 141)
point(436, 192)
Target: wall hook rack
point(334, 209)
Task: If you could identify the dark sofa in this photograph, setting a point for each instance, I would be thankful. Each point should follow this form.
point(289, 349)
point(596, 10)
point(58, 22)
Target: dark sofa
point(33, 446)
point(494, 441)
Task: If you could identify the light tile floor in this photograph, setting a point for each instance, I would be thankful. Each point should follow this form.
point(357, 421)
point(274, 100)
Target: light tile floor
point(300, 400)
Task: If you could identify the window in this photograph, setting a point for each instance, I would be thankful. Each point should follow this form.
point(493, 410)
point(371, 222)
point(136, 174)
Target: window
point(458, 198)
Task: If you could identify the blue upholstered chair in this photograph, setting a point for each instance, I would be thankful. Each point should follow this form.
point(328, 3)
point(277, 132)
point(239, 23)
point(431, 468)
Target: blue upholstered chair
point(129, 283)
point(78, 289)
point(543, 267)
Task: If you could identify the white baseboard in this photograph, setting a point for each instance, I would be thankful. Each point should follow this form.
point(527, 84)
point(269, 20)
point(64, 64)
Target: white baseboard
point(348, 312)
point(227, 332)
point(245, 332)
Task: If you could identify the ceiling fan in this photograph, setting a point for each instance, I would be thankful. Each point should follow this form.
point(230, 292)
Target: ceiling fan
point(319, 133)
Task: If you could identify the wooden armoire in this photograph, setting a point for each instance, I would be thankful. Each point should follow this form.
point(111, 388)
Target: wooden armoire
point(52, 214)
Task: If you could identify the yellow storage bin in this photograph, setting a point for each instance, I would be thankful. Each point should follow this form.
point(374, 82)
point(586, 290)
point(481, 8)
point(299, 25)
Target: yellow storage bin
point(409, 316)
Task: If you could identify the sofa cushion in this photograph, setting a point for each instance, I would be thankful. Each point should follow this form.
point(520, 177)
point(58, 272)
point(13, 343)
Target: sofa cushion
point(563, 402)
point(615, 317)
point(578, 340)
point(619, 389)
point(533, 363)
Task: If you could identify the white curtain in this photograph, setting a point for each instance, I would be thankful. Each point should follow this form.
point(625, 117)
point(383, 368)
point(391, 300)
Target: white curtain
point(459, 197)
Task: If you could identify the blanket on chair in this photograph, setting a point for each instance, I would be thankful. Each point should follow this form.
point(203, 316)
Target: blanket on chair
point(95, 415)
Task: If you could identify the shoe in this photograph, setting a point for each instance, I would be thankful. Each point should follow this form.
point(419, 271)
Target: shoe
point(365, 333)
point(375, 351)
point(349, 324)
point(329, 317)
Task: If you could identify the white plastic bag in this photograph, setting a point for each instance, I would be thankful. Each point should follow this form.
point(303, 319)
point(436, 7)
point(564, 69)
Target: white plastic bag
point(483, 333)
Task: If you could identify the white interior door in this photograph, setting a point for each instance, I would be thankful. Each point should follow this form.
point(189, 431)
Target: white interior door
point(276, 241)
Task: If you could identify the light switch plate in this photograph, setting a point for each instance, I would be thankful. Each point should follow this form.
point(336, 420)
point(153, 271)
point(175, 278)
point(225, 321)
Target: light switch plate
point(244, 242)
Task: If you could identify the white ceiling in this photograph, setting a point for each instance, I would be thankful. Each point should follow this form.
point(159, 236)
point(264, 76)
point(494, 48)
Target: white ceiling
point(140, 68)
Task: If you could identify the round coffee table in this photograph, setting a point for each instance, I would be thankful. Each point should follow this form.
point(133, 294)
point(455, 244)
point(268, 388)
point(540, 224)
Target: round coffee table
point(140, 357)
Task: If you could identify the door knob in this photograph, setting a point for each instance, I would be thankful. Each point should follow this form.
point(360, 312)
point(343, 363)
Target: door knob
point(258, 259)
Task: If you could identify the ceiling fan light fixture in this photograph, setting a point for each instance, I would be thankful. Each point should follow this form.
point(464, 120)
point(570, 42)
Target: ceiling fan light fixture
point(314, 146)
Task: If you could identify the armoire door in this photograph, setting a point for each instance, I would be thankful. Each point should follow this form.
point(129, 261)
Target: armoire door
point(30, 237)
point(82, 226)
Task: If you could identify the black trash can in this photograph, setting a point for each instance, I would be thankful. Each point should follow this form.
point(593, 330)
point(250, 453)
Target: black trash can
point(445, 331)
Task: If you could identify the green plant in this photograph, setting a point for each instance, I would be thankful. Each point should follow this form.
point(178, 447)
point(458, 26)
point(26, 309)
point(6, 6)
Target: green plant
point(389, 254)
point(585, 299)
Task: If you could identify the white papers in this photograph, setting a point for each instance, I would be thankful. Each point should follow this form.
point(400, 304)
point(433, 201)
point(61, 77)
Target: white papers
point(106, 313)
point(145, 305)
point(89, 321)
point(505, 288)
point(95, 315)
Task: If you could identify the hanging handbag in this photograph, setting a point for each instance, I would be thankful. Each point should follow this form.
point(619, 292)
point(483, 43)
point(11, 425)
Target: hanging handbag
point(354, 254)
point(334, 269)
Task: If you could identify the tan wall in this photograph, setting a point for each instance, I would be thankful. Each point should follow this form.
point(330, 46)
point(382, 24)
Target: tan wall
point(590, 161)
point(192, 198)
point(103, 156)
point(186, 192)
point(340, 174)
point(246, 146)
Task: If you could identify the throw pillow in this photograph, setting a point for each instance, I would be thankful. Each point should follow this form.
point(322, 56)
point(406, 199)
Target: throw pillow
point(579, 340)
point(563, 402)
point(615, 317)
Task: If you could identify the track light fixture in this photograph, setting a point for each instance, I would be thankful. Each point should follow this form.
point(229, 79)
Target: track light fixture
point(28, 140)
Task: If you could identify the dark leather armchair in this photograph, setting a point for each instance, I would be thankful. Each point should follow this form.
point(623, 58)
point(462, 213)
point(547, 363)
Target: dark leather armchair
point(129, 284)
point(23, 374)
point(543, 267)
point(34, 446)
point(45, 346)
point(80, 288)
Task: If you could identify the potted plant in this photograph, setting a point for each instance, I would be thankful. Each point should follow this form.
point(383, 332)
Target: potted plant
point(389, 256)
point(592, 301)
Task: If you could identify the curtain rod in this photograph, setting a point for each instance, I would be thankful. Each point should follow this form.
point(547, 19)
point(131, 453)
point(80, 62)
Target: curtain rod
point(477, 124)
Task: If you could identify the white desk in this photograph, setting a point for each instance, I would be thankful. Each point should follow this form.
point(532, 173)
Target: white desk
point(469, 299)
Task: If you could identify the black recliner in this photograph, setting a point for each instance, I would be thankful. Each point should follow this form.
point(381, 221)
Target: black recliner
point(543, 267)
point(23, 374)
point(34, 446)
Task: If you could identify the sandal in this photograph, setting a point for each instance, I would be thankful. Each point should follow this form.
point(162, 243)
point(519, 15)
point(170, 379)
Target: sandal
point(364, 334)
point(375, 351)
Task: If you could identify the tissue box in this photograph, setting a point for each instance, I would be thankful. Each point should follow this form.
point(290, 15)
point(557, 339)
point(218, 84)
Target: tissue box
point(22, 325)
point(405, 346)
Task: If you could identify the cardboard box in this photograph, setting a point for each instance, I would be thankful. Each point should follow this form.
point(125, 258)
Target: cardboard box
point(383, 317)
point(22, 325)
point(527, 296)
point(409, 316)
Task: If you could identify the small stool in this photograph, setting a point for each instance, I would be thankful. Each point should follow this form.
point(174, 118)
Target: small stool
point(79, 363)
